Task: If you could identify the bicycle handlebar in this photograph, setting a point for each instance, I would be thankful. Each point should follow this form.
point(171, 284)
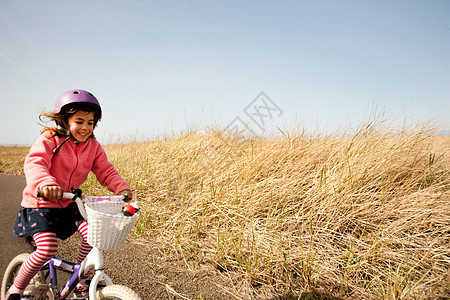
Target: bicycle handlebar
point(40, 194)
point(74, 197)
point(77, 199)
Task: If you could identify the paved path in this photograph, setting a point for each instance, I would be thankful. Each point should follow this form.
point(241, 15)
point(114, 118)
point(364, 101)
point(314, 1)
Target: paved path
point(11, 188)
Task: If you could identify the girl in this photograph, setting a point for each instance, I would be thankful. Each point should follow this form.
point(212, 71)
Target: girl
point(59, 160)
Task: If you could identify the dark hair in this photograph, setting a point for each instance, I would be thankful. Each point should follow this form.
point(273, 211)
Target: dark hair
point(61, 119)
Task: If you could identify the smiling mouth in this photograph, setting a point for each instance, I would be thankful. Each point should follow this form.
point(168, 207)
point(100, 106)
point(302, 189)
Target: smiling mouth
point(83, 134)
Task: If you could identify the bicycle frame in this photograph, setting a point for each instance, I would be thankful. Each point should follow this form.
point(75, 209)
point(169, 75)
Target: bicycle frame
point(77, 271)
point(55, 264)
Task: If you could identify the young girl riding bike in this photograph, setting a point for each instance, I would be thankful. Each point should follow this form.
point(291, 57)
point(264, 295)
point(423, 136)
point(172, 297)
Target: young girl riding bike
point(60, 160)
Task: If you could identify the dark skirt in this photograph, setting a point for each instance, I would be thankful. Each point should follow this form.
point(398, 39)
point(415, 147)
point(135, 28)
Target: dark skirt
point(62, 221)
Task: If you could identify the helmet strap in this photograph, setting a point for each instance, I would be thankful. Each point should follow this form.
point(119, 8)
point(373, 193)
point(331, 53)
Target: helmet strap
point(63, 130)
point(69, 135)
point(56, 150)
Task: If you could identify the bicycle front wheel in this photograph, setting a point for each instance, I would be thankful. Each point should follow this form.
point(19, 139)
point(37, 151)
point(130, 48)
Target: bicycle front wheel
point(117, 292)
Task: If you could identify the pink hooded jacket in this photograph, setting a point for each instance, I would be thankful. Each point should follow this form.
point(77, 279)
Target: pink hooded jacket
point(68, 168)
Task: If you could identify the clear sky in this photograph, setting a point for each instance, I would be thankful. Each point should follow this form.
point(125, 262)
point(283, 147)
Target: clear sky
point(159, 67)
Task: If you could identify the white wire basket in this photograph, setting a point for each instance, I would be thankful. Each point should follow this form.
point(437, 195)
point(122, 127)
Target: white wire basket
point(106, 230)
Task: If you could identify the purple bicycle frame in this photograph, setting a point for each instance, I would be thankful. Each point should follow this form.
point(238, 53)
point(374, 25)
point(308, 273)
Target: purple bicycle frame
point(67, 266)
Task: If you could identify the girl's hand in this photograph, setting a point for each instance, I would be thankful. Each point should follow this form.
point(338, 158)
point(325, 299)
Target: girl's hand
point(128, 193)
point(53, 192)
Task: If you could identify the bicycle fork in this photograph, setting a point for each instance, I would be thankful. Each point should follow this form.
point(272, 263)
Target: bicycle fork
point(95, 260)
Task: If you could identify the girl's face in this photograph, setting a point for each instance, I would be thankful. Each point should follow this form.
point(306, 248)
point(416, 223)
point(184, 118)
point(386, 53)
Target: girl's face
point(81, 125)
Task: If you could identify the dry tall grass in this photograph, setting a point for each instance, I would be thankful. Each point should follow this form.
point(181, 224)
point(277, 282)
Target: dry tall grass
point(365, 216)
point(11, 160)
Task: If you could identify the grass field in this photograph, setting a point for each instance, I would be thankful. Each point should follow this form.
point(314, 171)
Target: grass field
point(363, 215)
point(11, 160)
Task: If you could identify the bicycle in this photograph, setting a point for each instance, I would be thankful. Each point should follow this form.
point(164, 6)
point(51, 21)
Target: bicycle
point(106, 231)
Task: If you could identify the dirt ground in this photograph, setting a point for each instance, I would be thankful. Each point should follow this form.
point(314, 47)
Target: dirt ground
point(137, 265)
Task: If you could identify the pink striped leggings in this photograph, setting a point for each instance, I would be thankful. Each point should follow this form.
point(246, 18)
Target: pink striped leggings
point(46, 247)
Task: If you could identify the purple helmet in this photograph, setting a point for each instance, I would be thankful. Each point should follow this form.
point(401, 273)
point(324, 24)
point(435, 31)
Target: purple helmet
point(76, 96)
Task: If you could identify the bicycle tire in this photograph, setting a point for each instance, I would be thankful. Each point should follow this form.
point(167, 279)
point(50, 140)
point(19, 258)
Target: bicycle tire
point(11, 272)
point(117, 292)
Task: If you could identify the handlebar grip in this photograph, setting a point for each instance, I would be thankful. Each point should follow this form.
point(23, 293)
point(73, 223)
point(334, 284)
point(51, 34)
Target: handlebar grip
point(40, 194)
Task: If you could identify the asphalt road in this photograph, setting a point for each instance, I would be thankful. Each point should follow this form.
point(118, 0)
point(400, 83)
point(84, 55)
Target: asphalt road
point(11, 188)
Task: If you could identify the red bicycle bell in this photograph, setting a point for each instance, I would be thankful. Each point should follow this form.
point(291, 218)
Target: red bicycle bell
point(128, 210)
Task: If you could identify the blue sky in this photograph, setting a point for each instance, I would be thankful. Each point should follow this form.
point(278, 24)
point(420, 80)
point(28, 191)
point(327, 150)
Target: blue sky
point(160, 67)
